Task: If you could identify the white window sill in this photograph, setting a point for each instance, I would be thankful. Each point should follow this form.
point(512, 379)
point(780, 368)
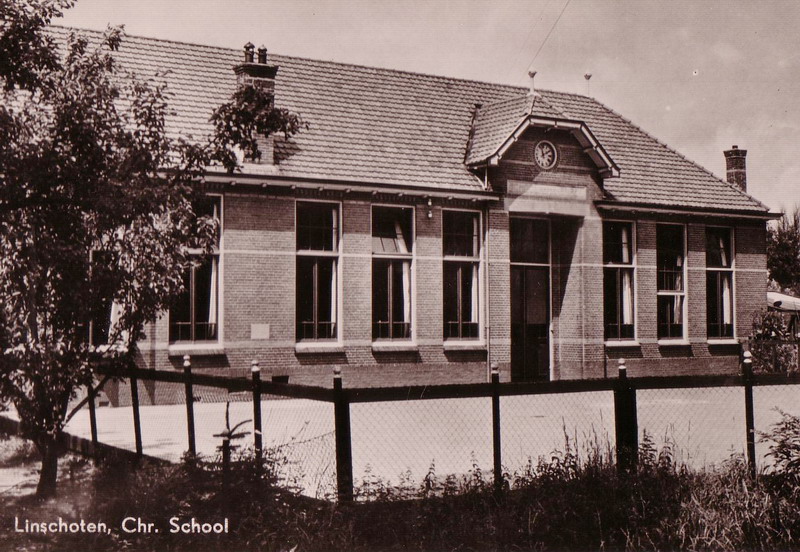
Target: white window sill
point(726, 341)
point(318, 347)
point(196, 349)
point(673, 343)
point(394, 347)
point(456, 345)
point(613, 344)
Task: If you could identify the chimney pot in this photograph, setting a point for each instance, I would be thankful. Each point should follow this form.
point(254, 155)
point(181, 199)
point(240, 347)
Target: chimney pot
point(248, 52)
point(736, 167)
point(262, 55)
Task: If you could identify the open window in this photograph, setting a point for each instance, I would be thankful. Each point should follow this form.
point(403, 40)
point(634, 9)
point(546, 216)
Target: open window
point(671, 278)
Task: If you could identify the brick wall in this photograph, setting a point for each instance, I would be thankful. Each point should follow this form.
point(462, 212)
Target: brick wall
point(258, 280)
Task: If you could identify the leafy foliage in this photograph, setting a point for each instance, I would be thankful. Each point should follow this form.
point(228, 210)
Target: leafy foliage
point(95, 208)
point(783, 252)
point(770, 351)
point(251, 113)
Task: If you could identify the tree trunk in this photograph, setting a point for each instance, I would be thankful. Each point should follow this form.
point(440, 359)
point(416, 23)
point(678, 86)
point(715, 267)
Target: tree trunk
point(49, 474)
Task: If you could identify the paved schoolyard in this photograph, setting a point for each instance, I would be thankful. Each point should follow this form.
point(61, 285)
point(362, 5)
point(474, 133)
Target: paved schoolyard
point(404, 439)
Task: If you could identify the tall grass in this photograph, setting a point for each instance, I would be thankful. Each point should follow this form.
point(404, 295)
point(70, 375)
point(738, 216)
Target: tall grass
point(573, 499)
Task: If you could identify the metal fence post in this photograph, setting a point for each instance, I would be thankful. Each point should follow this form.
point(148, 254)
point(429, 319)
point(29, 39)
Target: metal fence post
point(137, 423)
point(93, 419)
point(344, 453)
point(497, 454)
point(187, 370)
point(255, 370)
point(749, 416)
point(625, 421)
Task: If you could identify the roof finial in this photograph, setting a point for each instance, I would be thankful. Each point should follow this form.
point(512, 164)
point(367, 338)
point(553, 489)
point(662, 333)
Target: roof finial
point(532, 89)
point(587, 76)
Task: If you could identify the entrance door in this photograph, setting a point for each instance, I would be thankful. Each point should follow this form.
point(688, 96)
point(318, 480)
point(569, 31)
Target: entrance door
point(530, 299)
point(530, 323)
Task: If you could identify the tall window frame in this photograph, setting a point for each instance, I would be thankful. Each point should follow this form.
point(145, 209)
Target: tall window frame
point(393, 236)
point(318, 238)
point(195, 317)
point(720, 284)
point(462, 237)
point(619, 280)
point(671, 302)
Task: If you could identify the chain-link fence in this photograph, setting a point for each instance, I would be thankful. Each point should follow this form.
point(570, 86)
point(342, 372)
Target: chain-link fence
point(362, 442)
point(699, 427)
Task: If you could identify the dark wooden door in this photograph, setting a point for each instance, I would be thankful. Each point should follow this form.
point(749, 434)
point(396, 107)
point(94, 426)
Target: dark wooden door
point(530, 323)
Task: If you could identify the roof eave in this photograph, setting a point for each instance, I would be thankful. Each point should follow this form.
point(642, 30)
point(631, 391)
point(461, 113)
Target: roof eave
point(347, 186)
point(630, 206)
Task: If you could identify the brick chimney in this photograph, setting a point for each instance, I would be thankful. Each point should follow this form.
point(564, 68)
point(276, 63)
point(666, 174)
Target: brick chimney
point(257, 72)
point(736, 168)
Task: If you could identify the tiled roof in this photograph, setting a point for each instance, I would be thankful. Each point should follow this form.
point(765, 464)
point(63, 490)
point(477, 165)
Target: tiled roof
point(397, 128)
point(495, 122)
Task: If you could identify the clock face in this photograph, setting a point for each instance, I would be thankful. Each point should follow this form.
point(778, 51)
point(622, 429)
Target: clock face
point(545, 154)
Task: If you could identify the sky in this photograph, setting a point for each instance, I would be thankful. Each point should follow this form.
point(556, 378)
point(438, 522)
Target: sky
point(700, 76)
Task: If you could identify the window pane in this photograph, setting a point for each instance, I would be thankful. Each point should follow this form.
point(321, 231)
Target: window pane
point(180, 313)
point(451, 299)
point(670, 316)
point(205, 300)
point(461, 305)
point(316, 298)
point(305, 298)
point(461, 231)
point(380, 298)
point(719, 298)
point(529, 240)
point(317, 226)
point(670, 257)
point(618, 242)
point(210, 207)
point(618, 303)
point(718, 247)
point(391, 230)
point(391, 299)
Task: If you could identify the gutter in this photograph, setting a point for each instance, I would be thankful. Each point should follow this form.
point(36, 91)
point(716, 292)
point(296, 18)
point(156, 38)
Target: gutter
point(610, 205)
point(349, 186)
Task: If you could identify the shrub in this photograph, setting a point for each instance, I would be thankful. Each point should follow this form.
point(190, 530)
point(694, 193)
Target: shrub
point(769, 354)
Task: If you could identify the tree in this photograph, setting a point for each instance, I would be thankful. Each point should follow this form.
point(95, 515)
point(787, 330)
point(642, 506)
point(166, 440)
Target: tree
point(95, 208)
point(783, 252)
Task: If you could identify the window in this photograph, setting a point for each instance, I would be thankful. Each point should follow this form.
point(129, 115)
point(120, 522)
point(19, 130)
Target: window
point(719, 282)
point(392, 248)
point(671, 265)
point(461, 245)
point(618, 280)
point(317, 261)
point(529, 241)
point(102, 310)
point(194, 315)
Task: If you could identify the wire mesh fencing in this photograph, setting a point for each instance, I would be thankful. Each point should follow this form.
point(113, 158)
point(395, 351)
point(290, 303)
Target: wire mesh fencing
point(407, 444)
point(540, 428)
point(700, 427)
point(401, 442)
point(771, 402)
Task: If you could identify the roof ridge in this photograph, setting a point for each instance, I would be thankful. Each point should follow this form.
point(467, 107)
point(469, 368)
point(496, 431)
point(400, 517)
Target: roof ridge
point(510, 87)
point(676, 152)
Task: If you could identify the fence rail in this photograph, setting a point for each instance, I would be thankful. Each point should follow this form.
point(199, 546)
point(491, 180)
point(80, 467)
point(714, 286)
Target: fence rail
point(624, 404)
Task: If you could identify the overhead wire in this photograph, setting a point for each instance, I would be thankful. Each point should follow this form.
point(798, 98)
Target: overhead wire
point(550, 32)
